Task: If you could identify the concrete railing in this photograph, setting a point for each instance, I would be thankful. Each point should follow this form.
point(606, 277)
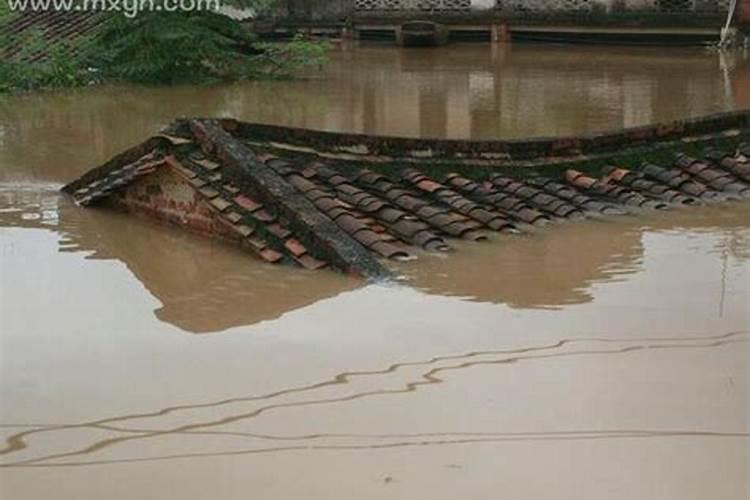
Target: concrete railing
point(542, 6)
point(664, 12)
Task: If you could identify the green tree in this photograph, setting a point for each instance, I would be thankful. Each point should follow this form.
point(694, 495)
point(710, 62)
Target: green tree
point(158, 47)
point(171, 47)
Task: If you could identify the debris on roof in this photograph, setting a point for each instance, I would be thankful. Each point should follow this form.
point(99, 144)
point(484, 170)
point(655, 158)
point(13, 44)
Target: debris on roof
point(317, 212)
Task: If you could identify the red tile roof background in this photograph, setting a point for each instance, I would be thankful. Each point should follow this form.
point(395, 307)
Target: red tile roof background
point(55, 29)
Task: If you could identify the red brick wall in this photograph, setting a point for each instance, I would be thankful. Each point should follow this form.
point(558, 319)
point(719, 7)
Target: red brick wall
point(165, 196)
point(743, 12)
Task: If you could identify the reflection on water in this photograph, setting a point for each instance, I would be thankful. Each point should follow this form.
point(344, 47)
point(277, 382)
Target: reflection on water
point(479, 91)
point(561, 265)
point(204, 286)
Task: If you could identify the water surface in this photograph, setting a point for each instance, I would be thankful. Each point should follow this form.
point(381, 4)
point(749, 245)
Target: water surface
point(606, 359)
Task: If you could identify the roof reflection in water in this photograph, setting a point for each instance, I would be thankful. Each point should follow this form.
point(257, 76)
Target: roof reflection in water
point(204, 286)
point(561, 265)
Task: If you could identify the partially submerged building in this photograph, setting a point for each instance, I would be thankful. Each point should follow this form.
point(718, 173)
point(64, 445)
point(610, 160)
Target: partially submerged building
point(351, 202)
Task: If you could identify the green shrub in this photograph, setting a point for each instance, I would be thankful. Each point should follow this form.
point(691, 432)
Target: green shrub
point(156, 47)
point(62, 66)
point(190, 47)
point(170, 47)
point(283, 59)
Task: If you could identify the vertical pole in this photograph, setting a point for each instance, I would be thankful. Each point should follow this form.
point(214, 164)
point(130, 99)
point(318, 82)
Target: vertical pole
point(500, 33)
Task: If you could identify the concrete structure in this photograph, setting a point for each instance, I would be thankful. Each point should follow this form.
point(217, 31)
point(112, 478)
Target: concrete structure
point(332, 10)
point(617, 20)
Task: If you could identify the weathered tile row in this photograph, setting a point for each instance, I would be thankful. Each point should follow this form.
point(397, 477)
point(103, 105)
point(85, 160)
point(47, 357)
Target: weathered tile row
point(347, 216)
point(715, 178)
point(483, 214)
point(515, 208)
point(399, 223)
point(442, 219)
point(737, 165)
point(682, 182)
point(611, 192)
point(590, 206)
point(648, 188)
point(547, 203)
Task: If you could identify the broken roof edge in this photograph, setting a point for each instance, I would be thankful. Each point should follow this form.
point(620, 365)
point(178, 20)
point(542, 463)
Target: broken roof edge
point(126, 157)
point(175, 134)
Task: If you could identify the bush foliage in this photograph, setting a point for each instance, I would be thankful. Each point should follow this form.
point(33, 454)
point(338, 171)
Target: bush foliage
point(156, 47)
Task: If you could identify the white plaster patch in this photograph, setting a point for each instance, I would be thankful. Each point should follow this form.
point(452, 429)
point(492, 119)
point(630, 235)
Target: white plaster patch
point(359, 149)
point(422, 153)
point(482, 4)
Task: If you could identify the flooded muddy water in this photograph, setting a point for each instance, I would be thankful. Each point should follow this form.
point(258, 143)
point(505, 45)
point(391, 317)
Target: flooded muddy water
point(604, 359)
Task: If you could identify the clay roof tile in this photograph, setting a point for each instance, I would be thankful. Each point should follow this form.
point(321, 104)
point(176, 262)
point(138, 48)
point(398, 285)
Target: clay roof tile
point(247, 203)
point(309, 262)
point(388, 250)
point(295, 247)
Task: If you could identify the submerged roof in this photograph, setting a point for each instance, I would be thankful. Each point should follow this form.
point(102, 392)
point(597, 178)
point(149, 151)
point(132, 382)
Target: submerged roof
point(300, 198)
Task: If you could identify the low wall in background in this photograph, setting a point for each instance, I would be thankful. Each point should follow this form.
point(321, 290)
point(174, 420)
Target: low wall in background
point(662, 13)
point(369, 148)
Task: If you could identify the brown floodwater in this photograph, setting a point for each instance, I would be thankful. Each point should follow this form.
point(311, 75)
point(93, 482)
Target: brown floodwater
point(604, 359)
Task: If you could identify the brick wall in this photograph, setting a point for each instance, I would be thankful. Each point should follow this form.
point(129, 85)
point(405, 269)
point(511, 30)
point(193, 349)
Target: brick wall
point(165, 196)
